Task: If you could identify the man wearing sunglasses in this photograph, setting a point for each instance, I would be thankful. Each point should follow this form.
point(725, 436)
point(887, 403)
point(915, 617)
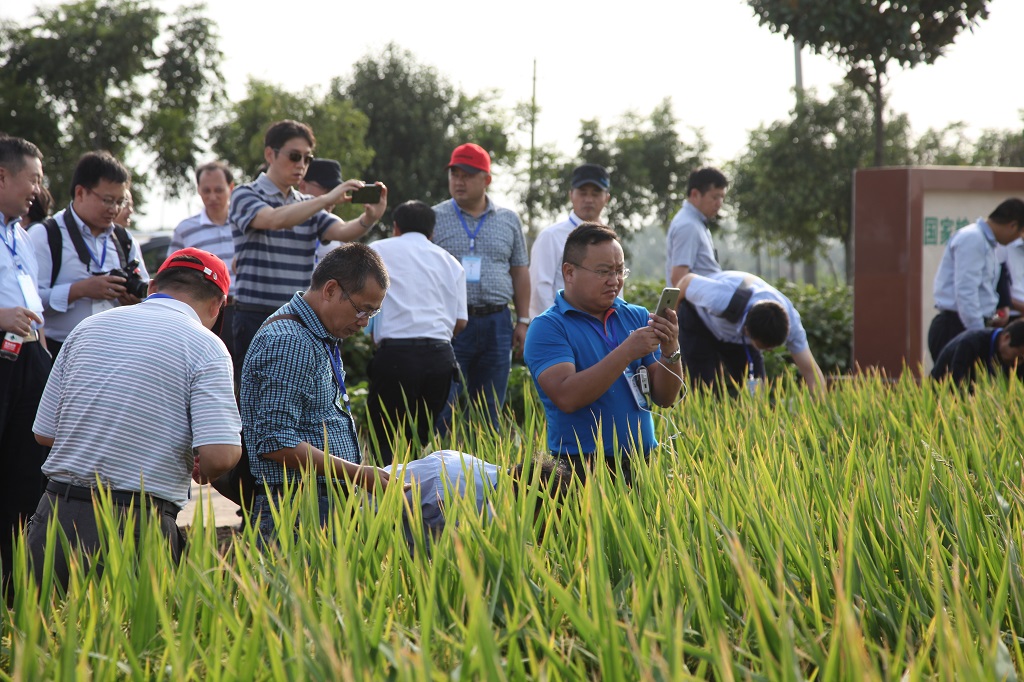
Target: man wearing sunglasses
point(294, 403)
point(598, 362)
point(81, 245)
point(276, 229)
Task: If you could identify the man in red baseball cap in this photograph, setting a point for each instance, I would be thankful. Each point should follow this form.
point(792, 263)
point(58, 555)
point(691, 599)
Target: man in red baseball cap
point(162, 348)
point(488, 241)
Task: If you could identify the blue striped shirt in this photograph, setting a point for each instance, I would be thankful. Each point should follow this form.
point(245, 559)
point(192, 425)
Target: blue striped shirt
point(156, 355)
point(272, 264)
point(199, 232)
point(289, 393)
point(500, 245)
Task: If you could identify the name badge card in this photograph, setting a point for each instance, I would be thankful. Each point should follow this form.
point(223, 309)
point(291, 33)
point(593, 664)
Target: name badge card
point(472, 265)
point(30, 293)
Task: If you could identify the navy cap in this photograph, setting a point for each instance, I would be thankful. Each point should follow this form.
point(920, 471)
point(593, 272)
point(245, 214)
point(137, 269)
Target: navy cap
point(591, 174)
point(324, 172)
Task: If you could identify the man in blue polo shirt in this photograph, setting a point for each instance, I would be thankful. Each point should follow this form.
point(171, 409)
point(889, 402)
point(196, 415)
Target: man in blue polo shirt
point(597, 361)
point(276, 229)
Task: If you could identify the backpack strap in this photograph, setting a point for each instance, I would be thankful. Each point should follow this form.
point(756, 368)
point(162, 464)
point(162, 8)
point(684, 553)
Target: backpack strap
point(283, 316)
point(56, 242)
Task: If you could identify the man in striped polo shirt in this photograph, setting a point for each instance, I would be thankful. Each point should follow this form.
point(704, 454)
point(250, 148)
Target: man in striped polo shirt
point(276, 229)
point(210, 230)
point(162, 347)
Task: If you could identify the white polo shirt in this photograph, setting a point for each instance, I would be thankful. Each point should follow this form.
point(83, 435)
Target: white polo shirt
point(427, 293)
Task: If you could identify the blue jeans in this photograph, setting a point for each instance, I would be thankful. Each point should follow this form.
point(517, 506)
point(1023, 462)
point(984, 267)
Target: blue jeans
point(263, 519)
point(484, 353)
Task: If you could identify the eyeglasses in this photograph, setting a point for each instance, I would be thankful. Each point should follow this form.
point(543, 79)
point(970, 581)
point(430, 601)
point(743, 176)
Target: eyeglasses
point(605, 273)
point(295, 156)
point(116, 204)
point(360, 314)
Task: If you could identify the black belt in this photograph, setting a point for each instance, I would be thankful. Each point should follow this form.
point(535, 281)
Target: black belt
point(481, 310)
point(420, 342)
point(122, 498)
point(253, 308)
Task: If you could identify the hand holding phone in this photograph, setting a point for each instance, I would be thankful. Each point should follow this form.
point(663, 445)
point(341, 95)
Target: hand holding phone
point(669, 296)
point(368, 194)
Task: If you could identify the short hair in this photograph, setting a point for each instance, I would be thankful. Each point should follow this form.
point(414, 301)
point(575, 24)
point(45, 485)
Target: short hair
point(767, 323)
point(279, 133)
point(192, 283)
point(415, 216)
point(553, 475)
point(703, 179)
point(41, 208)
point(215, 165)
point(1015, 330)
point(585, 234)
point(96, 166)
point(350, 265)
point(1010, 211)
point(14, 151)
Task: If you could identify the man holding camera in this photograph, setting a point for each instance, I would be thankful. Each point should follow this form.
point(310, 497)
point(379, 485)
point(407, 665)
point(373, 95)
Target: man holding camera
point(276, 229)
point(86, 263)
point(600, 363)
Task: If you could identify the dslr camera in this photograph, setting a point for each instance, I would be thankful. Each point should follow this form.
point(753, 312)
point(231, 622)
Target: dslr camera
point(133, 281)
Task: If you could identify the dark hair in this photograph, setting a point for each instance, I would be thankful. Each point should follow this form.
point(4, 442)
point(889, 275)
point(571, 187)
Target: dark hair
point(767, 323)
point(215, 165)
point(14, 151)
point(96, 166)
point(41, 208)
point(415, 216)
point(350, 264)
point(192, 283)
point(553, 476)
point(279, 133)
point(1016, 333)
point(585, 234)
point(1010, 211)
point(703, 179)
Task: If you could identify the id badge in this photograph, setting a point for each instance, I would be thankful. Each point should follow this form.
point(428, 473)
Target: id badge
point(98, 306)
point(638, 396)
point(472, 266)
point(30, 293)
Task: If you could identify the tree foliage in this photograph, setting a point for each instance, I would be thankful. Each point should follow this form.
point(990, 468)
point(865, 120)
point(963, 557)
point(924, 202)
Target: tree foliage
point(950, 146)
point(793, 186)
point(339, 128)
point(416, 118)
point(867, 36)
point(110, 74)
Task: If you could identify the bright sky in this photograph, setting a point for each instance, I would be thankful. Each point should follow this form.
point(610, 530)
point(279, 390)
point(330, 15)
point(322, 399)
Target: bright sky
point(724, 73)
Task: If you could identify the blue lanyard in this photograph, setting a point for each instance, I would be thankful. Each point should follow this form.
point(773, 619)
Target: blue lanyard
point(465, 227)
point(13, 246)
point(154, 296)
point(339, 376)
point(750, 360)
point(103, 244)
point(612, 342)
point(992, 344)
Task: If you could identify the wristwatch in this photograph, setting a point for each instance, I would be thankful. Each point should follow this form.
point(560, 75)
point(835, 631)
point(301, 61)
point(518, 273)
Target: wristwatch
point(675, 356)
point(523, 320)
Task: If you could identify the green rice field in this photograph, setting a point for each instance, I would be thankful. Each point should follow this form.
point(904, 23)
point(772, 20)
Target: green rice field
point(872, 535)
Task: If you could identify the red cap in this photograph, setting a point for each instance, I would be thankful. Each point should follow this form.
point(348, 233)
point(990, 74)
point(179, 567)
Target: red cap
point(471, 157)
point(211, 266)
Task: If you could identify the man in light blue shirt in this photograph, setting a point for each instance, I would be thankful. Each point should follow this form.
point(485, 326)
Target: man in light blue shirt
point(965, 283)
point(727, 319)
point(689, 247)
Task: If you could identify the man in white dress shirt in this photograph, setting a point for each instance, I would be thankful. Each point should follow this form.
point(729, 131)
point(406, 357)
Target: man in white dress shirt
point(589, 195)
point(412, 370)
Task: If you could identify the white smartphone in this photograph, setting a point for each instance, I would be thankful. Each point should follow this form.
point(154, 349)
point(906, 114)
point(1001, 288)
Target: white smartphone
point(669, 295)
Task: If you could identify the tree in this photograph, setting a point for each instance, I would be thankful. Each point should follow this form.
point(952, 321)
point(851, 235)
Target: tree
point(867, 36)
point(110, 74)
point(793, 187)
point(339, 128)
point(416, 118)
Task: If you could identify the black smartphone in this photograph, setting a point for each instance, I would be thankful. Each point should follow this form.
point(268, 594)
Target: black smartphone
point(669, 295)
point(370, 194)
